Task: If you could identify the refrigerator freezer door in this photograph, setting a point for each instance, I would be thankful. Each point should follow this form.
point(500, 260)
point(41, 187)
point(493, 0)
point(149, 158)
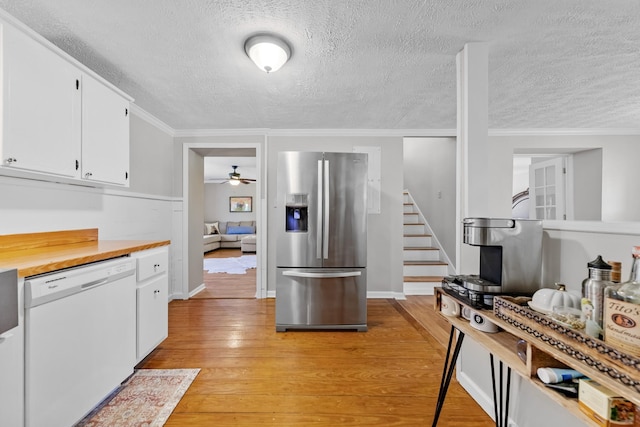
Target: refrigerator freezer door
point(298, 180)
point(345, 209)
point(314, 298)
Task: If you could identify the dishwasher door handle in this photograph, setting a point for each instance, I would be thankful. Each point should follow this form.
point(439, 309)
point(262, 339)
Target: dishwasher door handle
point(330, 275)
point(93, 284)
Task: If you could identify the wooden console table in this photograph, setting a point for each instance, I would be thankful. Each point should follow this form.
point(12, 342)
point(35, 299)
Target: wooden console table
point(548, 345)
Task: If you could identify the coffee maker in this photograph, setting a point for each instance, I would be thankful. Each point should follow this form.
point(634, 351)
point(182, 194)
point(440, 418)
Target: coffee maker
point(510, 259)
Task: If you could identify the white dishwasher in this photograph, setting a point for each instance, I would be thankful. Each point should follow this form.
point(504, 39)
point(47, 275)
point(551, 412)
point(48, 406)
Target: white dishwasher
point(80, 339)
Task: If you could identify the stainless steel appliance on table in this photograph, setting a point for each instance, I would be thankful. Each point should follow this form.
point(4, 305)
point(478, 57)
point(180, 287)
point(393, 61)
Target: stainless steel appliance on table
point(510, 260)
point(321, 241)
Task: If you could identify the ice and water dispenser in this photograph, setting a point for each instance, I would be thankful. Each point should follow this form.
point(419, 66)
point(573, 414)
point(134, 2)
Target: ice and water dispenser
point(297, 213)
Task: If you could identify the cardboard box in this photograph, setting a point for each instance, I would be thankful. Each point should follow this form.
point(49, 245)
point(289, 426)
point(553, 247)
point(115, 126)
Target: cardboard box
point(605, 407)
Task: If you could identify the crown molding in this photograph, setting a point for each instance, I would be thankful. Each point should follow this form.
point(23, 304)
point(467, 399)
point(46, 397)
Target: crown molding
point(318, 132)
point(185, 133)
point(408, 133)
point(564, 132)
point(151, 119)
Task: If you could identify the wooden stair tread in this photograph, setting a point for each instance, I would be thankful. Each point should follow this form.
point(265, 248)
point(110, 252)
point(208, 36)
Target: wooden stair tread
point(410, 213)
point(425, 263)
point(417, 235)
point(423, 278)
point(420, 248)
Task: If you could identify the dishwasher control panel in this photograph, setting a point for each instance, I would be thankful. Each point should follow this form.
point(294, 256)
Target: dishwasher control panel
point(52, 286)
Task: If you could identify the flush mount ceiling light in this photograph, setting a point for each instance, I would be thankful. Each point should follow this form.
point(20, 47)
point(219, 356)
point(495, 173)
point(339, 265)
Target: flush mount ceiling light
point(268, 52)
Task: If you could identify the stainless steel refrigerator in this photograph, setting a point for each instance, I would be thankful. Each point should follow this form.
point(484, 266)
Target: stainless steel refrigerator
point(321, 241)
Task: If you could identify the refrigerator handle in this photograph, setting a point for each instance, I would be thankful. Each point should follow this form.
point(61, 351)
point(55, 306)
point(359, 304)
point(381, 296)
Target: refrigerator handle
point(325, 239)
point(330, 275)
point(319, 214)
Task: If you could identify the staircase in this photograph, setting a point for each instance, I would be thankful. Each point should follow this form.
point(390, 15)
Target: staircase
point(423, 267)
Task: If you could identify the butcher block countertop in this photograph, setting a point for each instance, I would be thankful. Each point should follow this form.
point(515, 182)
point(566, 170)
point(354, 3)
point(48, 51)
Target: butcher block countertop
point(37, 253)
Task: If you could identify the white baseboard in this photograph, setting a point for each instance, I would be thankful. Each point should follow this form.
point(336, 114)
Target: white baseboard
point(197, 290)
point(417, 288)
point(370, 295)
point(485, 401)
point(385, 295)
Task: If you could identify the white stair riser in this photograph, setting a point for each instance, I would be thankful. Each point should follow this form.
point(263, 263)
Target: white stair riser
point(420, 288)
point(405, 198)
point(411, 219)
point(408, 208)
point(413, 228)
point(424, 270)
point(421, 255)
point(416, 242)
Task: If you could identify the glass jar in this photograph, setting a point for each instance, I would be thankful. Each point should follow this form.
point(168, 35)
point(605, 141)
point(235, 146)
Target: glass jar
point(622, 311)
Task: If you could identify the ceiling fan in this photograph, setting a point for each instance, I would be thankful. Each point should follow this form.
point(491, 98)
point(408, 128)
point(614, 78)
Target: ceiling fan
point(235, 179)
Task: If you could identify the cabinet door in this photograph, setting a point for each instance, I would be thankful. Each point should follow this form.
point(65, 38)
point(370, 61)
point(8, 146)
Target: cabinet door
point(152, 314)
point(12, 371)
point(105, 134)
point(41, 107)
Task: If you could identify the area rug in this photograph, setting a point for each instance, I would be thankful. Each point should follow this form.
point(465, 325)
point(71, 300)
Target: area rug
point(238, 265)
point(147, 399)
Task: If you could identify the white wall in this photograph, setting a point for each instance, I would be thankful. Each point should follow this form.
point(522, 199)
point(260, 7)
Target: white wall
point(384, 239)
point(195, 214)
point(216, 202)
point(619, 161)
point(430, 177)
point(151, 159)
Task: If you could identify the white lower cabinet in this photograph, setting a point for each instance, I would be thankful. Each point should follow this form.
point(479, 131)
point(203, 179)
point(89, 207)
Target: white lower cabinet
point(12, 372)
point(152, 315)
point(152, 296)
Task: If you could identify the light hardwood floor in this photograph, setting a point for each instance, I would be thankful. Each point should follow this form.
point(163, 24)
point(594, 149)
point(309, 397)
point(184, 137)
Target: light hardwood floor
point(253, 376)
point(223, 285)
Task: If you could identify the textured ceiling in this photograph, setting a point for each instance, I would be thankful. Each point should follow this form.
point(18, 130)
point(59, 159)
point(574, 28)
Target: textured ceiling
point(369, 64)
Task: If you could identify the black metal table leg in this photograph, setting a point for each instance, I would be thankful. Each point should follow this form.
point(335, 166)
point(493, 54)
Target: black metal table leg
point(447, 371)
point(500, 401)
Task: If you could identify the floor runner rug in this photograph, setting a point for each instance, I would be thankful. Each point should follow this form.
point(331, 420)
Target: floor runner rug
point(238, 265)
point(147, 399)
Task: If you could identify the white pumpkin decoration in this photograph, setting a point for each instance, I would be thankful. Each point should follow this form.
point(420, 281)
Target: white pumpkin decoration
point(545, 299)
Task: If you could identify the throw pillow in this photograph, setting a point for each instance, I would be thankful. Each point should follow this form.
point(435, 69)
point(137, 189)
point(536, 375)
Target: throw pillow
point(212, 228)
point(239, 229)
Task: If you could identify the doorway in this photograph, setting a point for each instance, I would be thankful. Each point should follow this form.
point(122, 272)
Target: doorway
point(193, 214)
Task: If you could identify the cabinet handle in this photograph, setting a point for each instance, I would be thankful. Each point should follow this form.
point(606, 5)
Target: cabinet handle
point(126, 175)
point(77, 84)
point(12, 160)
point(126, 112)
point(77, 165)
point(157, 291)
point(88, 175)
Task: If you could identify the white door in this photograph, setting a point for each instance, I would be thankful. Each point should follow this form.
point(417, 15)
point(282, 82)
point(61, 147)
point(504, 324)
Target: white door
point(41, 107)
point(105, 134)
point(547, 189)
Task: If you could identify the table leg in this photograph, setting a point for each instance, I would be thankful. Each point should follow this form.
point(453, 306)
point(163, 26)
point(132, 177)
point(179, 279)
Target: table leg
point(447, 371)
point(500, 400)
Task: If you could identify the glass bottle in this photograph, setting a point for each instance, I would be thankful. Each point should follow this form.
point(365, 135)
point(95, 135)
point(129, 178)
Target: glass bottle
point(593, 288)
point(622, 311)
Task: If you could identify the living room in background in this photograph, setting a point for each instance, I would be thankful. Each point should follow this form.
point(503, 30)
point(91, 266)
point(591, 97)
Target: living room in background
point(230, 230)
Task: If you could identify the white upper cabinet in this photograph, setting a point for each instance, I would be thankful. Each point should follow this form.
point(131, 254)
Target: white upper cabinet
point(105, 134)
point(58, 117)
point(40, 108)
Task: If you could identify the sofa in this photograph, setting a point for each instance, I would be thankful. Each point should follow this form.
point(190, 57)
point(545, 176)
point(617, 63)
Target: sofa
point(229, 234)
